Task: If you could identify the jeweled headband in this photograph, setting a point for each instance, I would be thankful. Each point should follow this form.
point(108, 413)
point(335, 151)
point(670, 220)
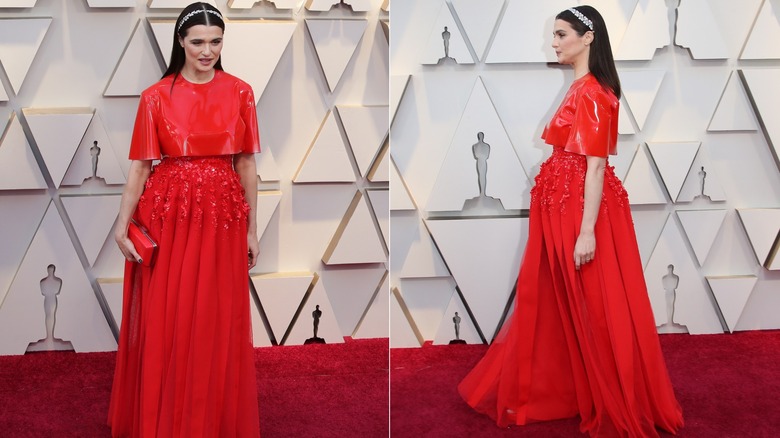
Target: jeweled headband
point(197, 11)
point(585, 20)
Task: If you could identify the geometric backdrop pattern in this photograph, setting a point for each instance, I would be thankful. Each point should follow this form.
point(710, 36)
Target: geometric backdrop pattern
point(63, 163)
point(704, 181)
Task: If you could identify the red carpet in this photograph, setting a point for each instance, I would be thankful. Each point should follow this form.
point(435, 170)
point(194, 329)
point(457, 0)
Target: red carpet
point(728, 386)
point(337, 390)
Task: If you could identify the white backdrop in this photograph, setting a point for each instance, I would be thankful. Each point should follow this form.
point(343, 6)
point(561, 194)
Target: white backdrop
point(699, 102)
point(72, 73)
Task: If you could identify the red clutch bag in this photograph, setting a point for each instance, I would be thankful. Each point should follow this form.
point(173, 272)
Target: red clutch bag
point(145, 246)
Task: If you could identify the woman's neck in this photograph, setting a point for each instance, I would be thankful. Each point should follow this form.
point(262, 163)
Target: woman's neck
point(196, 76)
point(580, 70)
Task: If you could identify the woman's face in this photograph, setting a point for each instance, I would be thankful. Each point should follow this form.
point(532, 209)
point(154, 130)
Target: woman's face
point(202, 46)
point(570, 48)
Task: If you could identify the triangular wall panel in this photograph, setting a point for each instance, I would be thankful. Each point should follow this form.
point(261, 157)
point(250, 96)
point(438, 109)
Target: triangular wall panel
point(326, 5)
point(58, 134)
point(641, 183)
point(113, 290)
point(640, 88)
point(478, 18)
point(280, 295)
point(702, 181)
point(21, 214)
point(398, 86)
point(350, 291)
point(693, 305)
point(79, 318)
point(335, 42)
point(762, 42)
point(267, 169)
point(93, 220)
point(18, 167)
point(162, 29)
point(625, 125)
point(17, 3)
point(20, 39)
point(110, 262)
point(423, 259)
point(403, 332)
point(137, 68)
point(699, 31)
point(105, 158)
point(762, 226)
point(303, 327)
point(380, 205)
point(622, 161)
point(327, 159)
point(400, 199)
point(457, 180)
point(367, 129)
point(765, 94)
point(530, 23)
point(616, 14)
point(648, 224)
point(733, 112)
point(673, 161)
point(260, 334)
point(356, 240)
point(375, 323)
point(446, 331)
point(267, 40)
point(267, 204)
point(380, 170)
point(641, 37)
point(433, 49)
point(427, 300)
point(484, 281)
point(701, 227)
point(774, 260)
point(732, 294)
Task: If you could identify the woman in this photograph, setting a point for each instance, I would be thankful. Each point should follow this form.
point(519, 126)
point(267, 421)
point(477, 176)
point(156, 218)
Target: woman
point(185, 365)
point(582, 339)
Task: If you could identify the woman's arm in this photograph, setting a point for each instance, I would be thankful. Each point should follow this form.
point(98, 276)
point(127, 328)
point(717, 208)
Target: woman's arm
point(247, 170)
point(139, 172)
point(585, 247)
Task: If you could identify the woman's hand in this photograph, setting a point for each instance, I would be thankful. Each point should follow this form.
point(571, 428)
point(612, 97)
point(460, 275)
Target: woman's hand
point(136, 179)
point(584, 248)
point(254, 249)
point(125, 244)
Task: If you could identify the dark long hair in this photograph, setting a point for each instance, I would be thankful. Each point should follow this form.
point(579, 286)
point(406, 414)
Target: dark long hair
point(600, 61)
point(205, 18)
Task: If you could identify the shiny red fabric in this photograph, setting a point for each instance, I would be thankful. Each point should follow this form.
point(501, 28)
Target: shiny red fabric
point(586, 121)
point(579, 341)
point(185, 364)
point(187, 119)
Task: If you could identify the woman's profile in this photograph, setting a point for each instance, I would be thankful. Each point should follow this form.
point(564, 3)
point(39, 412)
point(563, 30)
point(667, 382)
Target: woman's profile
point(185, 365)
point(582, 339)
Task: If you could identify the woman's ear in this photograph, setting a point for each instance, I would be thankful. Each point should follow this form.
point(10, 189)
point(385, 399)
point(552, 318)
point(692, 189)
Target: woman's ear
point(181, 41)
point(588, 37)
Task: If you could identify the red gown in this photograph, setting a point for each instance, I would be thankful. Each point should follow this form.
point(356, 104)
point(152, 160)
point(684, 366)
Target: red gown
point(185, 364)
point(579, 341)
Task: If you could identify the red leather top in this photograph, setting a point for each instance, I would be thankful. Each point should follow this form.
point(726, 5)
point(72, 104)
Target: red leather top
point(586, 122)
point(215, 118)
